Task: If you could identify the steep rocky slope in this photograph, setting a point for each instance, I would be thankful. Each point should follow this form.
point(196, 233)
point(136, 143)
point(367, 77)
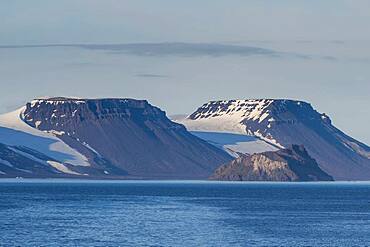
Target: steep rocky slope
point(292, 164)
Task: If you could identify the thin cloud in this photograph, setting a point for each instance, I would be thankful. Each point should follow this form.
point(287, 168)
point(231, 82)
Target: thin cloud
point(152, 76)
point(166, 49)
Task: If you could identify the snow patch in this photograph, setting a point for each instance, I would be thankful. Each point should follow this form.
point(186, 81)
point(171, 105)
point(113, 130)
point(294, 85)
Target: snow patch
point(5, 162)
point(55, 132)
point(90, 148)
point(37, 123)
point(235, 143)
point(62, 168)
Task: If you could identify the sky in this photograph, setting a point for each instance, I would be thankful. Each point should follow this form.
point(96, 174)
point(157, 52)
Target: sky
point(180, 54)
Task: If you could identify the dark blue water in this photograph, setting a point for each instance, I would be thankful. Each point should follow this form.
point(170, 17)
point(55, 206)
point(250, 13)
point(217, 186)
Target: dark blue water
point(75, 213)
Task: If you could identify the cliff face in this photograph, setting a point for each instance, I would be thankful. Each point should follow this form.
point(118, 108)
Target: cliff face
point(293, 164)
point(125, 136)
point(282, 123)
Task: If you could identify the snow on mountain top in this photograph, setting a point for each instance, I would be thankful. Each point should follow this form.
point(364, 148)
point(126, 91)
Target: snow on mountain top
point(237, 116)
point(54, 101)
point(251, 109)
point(228, 115)
point(77, 99)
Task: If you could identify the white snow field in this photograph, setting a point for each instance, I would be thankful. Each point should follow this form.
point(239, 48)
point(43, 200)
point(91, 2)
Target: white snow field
point(15, 132)
point(235, 143)
point(224, 127)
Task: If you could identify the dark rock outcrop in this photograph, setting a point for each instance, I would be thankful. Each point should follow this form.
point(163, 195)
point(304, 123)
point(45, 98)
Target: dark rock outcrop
point(293, 164)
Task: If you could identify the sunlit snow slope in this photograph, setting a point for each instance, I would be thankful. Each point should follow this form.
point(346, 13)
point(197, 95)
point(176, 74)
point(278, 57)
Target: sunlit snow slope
point(43, 148)
point(220, 123)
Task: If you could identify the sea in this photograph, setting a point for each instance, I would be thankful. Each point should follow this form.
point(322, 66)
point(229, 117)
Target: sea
point(183, 213)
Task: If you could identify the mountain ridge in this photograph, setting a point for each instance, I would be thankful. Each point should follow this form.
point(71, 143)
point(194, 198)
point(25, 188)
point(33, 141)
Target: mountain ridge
point(122, 137)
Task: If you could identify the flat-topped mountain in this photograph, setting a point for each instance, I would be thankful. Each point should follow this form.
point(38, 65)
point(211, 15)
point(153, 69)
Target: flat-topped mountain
point(128, 138)
point(104, 138)
point(279, 124)
point(292, 164)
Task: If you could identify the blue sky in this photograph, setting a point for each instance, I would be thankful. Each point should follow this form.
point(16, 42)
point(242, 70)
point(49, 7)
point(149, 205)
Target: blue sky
point(122, 21)
point(318, 51)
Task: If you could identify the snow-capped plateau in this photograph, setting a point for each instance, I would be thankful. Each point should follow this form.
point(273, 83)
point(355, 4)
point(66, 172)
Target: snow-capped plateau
point(280, 123)
point(128, 138)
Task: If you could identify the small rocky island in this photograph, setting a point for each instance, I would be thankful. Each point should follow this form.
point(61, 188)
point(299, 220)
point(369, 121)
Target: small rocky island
point(291, 164)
